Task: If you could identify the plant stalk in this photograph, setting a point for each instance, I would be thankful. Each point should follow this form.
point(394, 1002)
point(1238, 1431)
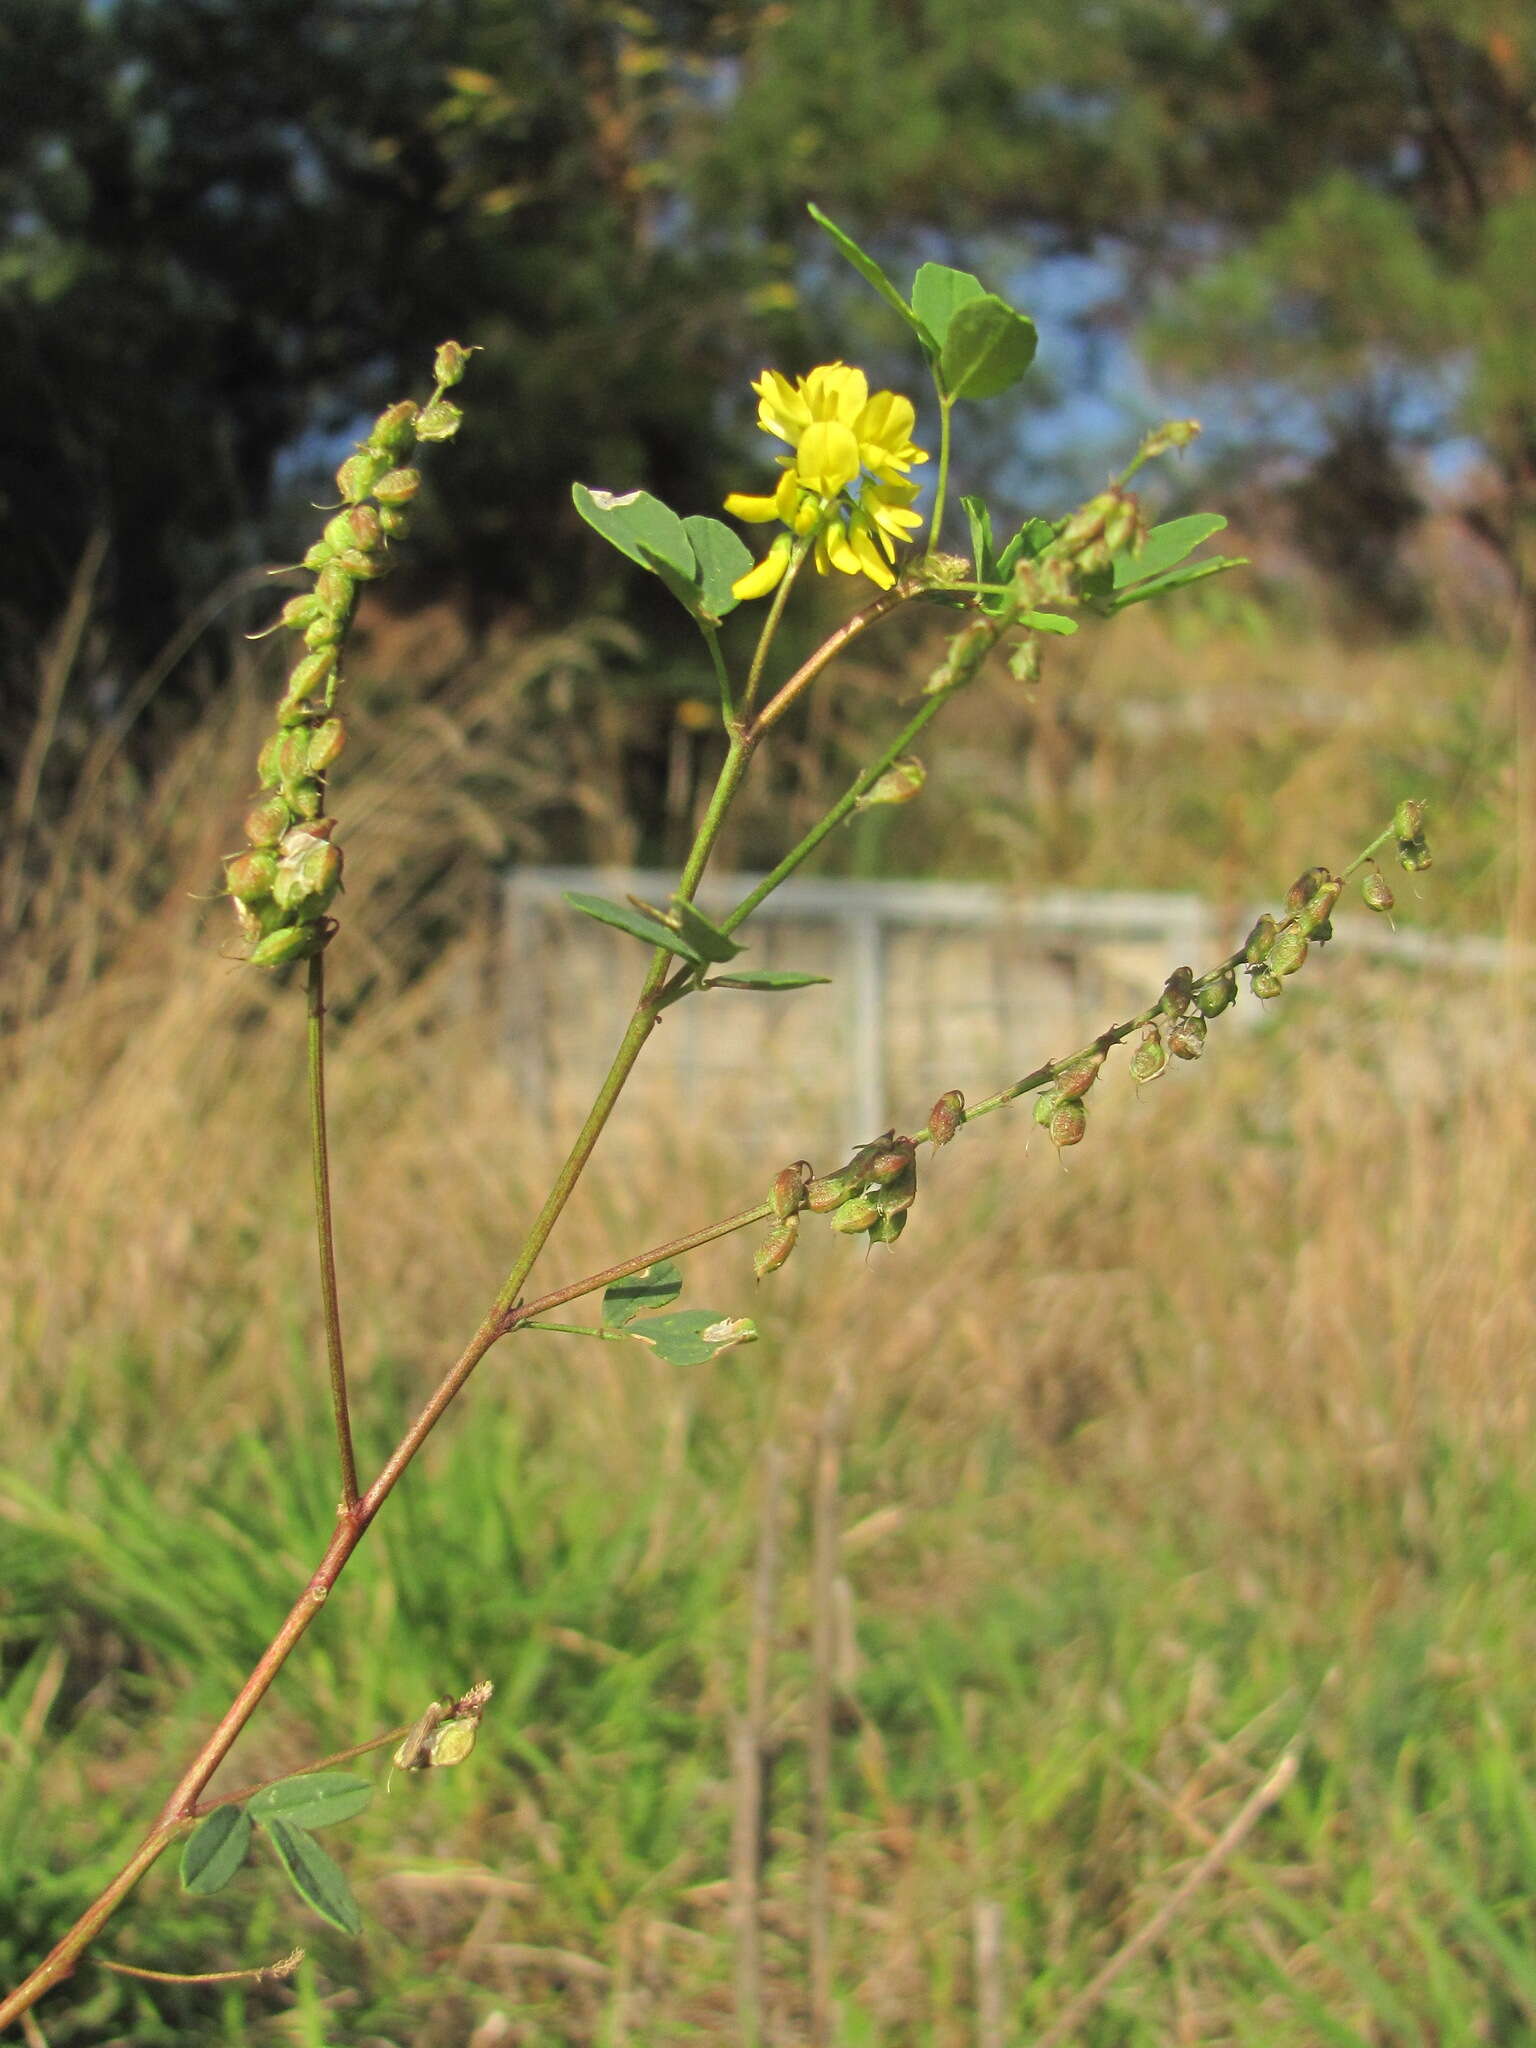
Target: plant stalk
point(325, 1232)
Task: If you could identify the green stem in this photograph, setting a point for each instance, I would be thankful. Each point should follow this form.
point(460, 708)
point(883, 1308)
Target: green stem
point(770, 627)
point(941, 489)
point(865, 780)
point(722, 674)
point(806, 674)
point(574, 1330)
point(325, 1231)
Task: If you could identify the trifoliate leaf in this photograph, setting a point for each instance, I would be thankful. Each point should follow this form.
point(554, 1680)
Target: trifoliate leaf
point(652, 1287)
point(939, 292)
point(215, 1850)
point(869, 270)
point(318, 1800)
point(693, 1336)
point(639, 526)
point(317, 1880)
point(987, 350)
point(651, 930)
point(1166, 546)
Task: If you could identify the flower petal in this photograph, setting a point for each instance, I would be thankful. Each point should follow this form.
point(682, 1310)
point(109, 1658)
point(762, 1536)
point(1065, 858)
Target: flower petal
point(755, 511)
point(768, 574)
point(827, 457)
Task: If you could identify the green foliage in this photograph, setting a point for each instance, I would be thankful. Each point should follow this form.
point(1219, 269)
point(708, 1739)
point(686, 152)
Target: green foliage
point(215, 1850)
point(313, 1874)
point(651, 1288)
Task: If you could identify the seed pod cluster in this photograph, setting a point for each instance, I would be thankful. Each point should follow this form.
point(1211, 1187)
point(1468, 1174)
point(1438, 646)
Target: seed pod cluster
point(872, 1192)
point(282, 884)
point(1061, 1111)
point(1413, 853)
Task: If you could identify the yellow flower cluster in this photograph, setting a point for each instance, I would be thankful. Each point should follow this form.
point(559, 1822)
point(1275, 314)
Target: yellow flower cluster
point(845, 480)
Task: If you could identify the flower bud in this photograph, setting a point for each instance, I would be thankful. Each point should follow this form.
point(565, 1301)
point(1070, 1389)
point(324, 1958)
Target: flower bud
point(398, 486)
point(946, 1117)
point(439, 421)
point(1377, 891)
point(1149, 1058)
point(358, 474)
point(1069, 1121)
point(1178, 992)
point(788, 1193)
point(1265, 983)
point(1217, 994)
point(1258, 942)
point(248, 877)
point(1408, 819)
point(1186, 1037)
point(325, 744)
point(855, 1214)
point(394, 431)
point(267, 821)
point(450, 362)
point(776, 1246)
point(898, 785)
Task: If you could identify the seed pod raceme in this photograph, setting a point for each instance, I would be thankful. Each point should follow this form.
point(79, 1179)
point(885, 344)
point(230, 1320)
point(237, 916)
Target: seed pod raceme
point(946, 1117)
point(1217, 994)
point(1186, 1036)
point(1149, 1058)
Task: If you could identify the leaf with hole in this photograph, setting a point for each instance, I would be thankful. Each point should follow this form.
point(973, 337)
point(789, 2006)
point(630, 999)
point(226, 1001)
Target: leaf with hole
point(639, 526)
point(722, 556)
point(938, 293)
point(871, 272)
point(215, 1850)
point(693, 1336)
point(765, 978)
point(317, 1800)
point(317, 1880)
point(987, 350)
point(649, 929)
point(652, 1287)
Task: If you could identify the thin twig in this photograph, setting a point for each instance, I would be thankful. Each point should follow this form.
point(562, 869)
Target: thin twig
point(749, 1763)
point(1231, 1838)
point(326, 1234)
point(284, 1967)
point(825, 1544)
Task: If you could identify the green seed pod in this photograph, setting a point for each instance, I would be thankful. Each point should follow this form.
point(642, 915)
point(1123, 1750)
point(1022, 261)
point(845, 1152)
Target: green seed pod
point(249, 876)
point(1413, 856)
point(1068, 1124)
point(890, 1163)
point(312, 672)
point(365, 567)
point(1178, 992)
point(290, 755)
point(307, 797)
point(1186, 1038)
point(438, 421)
point(308, 876)
point(776, 1246)
point(1304, 888)
point(1323, 933)
point(1377, 891)
point(1217, 994)
point(902, 781)
point(335, 591)
point(318, 555)
point(946, 1117)
point(1408, 819)
point(1024, 661)
point(292, 942)
point(266, 760)
point(1258, 942)
point(363, 521)
point(325, 632)
point(337, 533)
point(397, 486)
point(825, 1193)
point(393, 523)
point(325, 744)
point(887, 1228)
point(1076, 1080)
point(267, 821)
point(856, 1214)
point(358, 474)
point(1045, 1107)
point(298, 611)
point(450, 362)
point(394, 431)
point(1265, 983)
point(788, 1191)
point(1149, 1058)
point(1318, 908)
point(1289, 952)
